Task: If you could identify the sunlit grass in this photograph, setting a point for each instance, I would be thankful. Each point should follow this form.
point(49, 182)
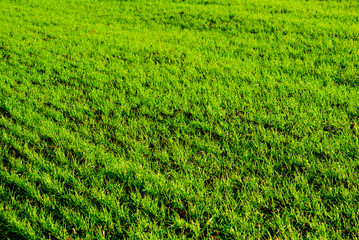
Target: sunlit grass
point(200, 119)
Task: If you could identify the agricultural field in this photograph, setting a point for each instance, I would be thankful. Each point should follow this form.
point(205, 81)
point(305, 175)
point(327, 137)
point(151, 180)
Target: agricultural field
point(182, 119)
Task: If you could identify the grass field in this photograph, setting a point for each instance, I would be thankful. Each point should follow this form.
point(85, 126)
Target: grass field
point(200, 119)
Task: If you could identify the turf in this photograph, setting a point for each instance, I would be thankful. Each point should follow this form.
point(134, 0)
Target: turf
point(207, 119)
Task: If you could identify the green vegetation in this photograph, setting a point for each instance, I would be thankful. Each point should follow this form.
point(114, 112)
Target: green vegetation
point(207, 119)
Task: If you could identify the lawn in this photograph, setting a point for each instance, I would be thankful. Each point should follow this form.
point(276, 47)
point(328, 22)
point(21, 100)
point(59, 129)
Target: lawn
point(199, 119)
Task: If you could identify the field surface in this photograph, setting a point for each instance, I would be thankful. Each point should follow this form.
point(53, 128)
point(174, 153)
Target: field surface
point(199, 119)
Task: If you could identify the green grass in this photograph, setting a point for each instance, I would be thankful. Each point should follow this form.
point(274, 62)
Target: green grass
point(207, 119)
